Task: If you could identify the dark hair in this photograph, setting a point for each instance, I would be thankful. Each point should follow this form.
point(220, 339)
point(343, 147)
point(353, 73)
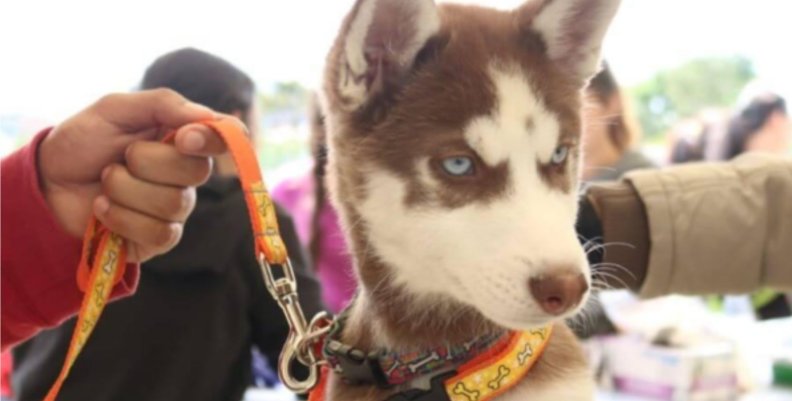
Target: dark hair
point(202, 78)
point(750, 120)
point(604, 84)
point(318, 146)
point(604, 87)
point(687, 150)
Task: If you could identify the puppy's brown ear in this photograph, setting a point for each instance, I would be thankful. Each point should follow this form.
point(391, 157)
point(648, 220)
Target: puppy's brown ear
point(572, 31)
point(377, 46)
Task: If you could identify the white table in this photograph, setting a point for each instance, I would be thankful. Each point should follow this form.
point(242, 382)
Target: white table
point(775, 394)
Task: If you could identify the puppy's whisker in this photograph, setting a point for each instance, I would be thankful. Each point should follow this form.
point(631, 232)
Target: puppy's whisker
point(613, 267)
point(614, 278)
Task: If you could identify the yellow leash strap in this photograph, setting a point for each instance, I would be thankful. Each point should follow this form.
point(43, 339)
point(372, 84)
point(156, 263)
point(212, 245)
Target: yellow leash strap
point(104, 254)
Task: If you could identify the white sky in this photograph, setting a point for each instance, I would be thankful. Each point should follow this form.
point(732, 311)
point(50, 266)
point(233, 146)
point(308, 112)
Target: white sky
point(57, 56)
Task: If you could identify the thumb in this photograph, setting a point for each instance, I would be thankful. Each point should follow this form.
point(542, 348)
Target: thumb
point(155, 108)
point(199, 140)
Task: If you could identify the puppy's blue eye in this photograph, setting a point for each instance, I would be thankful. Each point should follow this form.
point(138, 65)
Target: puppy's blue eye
point(560, 155)
point(458, 165)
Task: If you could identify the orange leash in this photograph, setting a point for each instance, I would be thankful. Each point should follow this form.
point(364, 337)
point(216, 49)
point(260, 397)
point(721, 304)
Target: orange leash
point(104, 253)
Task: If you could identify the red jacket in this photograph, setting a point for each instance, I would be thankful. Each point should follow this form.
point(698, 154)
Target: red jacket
point(39, 259)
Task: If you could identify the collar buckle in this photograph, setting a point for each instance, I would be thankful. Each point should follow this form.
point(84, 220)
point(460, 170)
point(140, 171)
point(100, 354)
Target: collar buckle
point(355, 366)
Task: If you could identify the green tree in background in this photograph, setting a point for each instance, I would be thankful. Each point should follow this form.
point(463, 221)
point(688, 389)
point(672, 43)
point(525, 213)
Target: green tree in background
point(684, 91)
point(285, 96)
point(284, 108)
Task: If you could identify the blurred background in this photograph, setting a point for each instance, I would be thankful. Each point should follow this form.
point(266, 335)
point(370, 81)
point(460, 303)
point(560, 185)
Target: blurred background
point(676, 58)
point(686, 68)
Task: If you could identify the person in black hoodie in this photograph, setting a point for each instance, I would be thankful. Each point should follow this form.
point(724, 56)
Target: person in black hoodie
point(187, 333)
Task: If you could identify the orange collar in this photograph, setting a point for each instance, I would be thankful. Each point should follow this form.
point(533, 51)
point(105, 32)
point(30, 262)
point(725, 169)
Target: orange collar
point(482, 378)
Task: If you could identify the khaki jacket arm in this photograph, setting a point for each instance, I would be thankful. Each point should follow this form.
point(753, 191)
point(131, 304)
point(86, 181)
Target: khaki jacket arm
point(718, 227)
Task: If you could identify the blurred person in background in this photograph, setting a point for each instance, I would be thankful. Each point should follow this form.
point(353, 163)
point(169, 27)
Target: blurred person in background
point(763, 125)
point(610, 136)
point(699, 138)
point(199, 309)
point(305, 198)
point(687, 140)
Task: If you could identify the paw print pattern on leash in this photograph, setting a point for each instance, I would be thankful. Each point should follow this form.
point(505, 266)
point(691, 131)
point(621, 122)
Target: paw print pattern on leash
point(267, 228)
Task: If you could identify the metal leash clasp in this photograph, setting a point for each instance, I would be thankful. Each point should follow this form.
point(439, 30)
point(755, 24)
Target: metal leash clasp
point(302, 336)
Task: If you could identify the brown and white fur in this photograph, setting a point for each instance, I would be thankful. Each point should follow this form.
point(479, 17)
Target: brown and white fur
point(443, 258)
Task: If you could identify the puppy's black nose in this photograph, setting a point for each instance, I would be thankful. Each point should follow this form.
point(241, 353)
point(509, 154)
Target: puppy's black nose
point(558, 292)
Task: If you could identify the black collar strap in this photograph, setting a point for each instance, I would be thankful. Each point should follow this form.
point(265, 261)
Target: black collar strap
point(386, 369)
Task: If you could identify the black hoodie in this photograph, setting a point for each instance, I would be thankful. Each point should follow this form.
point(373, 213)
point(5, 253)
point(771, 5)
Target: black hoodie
point(188, 331)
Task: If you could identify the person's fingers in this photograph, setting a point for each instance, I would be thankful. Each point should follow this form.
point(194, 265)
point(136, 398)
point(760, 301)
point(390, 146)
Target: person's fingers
point(199, 140)
point(163, 202)
point(149, 235)
point(133, 112)
point(160, 163)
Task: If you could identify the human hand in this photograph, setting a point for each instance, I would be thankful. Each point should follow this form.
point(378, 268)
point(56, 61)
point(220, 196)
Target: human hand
point(106, 160)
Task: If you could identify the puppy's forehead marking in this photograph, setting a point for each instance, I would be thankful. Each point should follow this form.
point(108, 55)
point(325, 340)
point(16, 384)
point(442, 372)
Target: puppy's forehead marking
point(520, 122)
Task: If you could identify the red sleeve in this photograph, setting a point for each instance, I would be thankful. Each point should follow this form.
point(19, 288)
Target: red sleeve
point(39, 259)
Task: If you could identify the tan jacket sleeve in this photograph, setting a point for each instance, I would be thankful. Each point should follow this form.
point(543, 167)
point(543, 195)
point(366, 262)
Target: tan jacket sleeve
point(718, 227)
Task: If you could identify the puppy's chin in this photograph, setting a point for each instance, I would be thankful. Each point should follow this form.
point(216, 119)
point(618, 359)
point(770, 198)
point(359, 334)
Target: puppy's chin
point(519, 324)
point(529, 320)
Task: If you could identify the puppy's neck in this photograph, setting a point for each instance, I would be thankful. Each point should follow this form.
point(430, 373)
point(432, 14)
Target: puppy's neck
point(385, 315)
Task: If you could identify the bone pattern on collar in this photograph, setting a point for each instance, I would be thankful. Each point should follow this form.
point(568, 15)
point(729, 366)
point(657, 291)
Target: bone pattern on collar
point(401, 368)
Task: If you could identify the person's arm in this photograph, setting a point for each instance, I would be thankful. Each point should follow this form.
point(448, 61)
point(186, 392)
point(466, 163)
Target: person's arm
point(101, 162)
point(700, 228)
point(39, 256)
point(614, 227)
